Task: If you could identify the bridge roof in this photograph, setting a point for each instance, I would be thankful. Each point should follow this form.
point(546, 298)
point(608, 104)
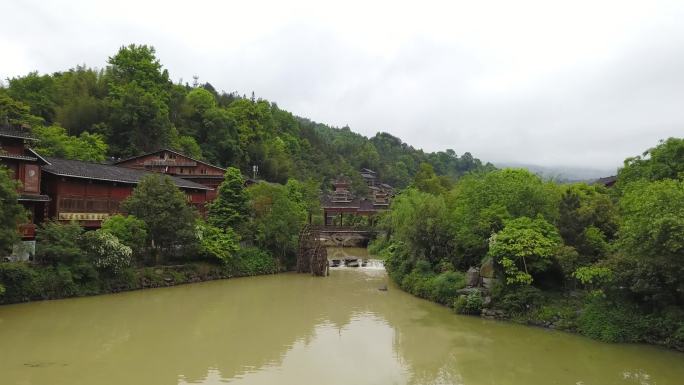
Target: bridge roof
point(361, 206)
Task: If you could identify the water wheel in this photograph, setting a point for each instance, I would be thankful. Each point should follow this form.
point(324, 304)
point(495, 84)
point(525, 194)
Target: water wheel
point(313, 256)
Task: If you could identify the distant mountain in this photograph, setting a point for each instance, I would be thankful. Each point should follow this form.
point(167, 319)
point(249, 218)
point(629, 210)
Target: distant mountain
point(562, 173)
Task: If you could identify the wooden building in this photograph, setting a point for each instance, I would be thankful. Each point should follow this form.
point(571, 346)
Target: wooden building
point(342, 201)
point(91, 192)
point(176, 164)
point(25, 165)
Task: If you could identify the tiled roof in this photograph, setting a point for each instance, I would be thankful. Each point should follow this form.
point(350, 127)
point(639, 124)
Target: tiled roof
point(31, 158)
point(5, 154)
point(169, 150)
point(607, 181)
point(86, 170)
point(9, 132)
point(328, 203)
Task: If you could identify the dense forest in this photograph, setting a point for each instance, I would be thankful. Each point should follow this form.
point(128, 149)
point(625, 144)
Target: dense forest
point(608, 263)
point(131, 107)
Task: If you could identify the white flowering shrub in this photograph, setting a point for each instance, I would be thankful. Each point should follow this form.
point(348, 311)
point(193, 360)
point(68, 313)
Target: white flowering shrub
point(106, 251)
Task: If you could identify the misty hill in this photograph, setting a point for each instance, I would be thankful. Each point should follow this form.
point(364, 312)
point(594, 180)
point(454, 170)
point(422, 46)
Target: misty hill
point(561, 173)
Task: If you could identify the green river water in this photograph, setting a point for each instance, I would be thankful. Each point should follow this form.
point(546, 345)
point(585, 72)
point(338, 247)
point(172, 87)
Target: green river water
point(297, 329)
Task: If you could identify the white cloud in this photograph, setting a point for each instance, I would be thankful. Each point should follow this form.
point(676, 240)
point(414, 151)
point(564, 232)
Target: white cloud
point(582, 83)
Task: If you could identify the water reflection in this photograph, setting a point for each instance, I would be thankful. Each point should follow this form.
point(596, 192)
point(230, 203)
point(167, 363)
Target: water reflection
point(296, 329)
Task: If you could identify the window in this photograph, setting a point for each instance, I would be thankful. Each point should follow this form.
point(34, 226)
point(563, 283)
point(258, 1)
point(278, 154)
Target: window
point(71, 204)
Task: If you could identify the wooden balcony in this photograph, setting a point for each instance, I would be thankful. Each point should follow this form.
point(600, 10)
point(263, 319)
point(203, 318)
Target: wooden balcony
point(168, 163)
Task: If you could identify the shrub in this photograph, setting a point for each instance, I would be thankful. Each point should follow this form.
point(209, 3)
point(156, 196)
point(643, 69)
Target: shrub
point(55, 282)
point(152, 276)
point(520, 299)
point(58, 243)
point(106, 251)
point(126, 279)
point(418, 283)
point(469, 304)
point(130, 230)
point(612, 321)
point(561, 312)
point(423, 267)
point(254, 261)
point(84, 272)
point(474, 302)
point(19, 281)
point(445, 285)
point(86, 277)
point(380, 247)
point(459, 304)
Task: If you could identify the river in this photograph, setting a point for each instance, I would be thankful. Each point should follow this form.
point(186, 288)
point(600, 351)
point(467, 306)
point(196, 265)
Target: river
point(297, 329)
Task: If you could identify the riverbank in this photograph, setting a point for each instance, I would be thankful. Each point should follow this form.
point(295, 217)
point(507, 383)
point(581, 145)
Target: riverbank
point(589, 313)
point(24, 282)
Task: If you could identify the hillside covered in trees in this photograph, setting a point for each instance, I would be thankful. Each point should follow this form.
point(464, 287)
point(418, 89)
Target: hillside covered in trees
point(131, 107)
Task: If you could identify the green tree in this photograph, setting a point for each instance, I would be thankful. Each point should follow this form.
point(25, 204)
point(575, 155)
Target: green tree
point(420, 221)
point(185, 145)
point(427, 181)
point(230, 208)
point(11, 212)
point(54, 141)
point(219, 244)
point(36, 91)
point(164, 209)
point(198, 102)
point(80, 100)
point(138, 101)
point(138, 121)
point(651, 236)
point(482, 202)
point(587, 219)
point(16, 113)
point(278, 218)
point(218, 137)
point(524, 247)
point(664, 161)
point(139, 64)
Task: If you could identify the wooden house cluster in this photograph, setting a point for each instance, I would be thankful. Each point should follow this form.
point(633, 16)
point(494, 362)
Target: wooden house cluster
point(342, 200)
point(71, 190)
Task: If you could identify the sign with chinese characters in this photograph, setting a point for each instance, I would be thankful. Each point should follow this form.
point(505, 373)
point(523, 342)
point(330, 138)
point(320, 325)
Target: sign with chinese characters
point(83, 216)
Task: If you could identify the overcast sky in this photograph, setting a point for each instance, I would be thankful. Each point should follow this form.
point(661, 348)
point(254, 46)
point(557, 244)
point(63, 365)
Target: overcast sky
point(573, 83)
